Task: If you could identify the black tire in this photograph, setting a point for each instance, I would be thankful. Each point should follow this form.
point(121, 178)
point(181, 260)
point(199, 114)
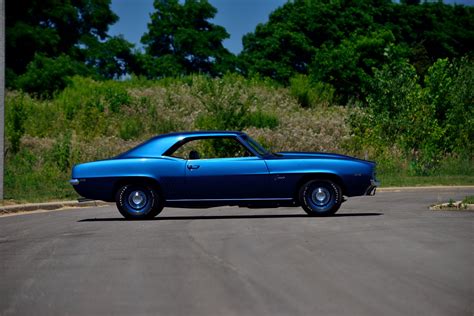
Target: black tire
point(136, 201)
point(320, 197)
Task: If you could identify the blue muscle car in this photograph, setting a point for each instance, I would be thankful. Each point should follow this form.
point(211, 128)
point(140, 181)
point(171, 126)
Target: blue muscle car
point(206, 169)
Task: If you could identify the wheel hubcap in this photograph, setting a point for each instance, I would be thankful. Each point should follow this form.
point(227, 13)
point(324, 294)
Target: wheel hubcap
point(137, 199)
point(320, 196)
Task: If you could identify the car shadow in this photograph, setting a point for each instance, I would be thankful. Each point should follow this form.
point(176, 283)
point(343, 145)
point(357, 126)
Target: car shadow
point(213, 217)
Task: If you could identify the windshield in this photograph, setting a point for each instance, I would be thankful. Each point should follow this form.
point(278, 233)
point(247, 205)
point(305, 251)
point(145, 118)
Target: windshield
point(255, 146)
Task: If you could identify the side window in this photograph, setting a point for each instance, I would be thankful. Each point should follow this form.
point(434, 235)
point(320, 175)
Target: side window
point(209, 148)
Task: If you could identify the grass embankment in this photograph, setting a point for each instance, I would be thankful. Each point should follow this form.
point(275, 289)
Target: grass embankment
point(93, 120)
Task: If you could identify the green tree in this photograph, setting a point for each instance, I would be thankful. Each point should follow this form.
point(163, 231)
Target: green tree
point(288, 42)
point(112, 58)
point(433, 29)
point(42, 33)
point(321, 38)
point(181, 40)
point(45, 75)
point(349, 66)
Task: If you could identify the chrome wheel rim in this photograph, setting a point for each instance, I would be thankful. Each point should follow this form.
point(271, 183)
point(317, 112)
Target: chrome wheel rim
point(137, 199)
point(320, 196)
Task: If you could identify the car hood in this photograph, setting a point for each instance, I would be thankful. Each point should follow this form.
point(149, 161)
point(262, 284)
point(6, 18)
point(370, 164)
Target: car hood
point(316, 155)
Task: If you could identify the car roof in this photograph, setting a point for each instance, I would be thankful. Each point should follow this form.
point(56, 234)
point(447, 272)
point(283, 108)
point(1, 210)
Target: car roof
point(202, 133)
point(158, 145)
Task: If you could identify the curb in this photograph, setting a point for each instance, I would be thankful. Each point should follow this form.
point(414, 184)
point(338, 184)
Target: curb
point(453, 206)
point(433, 187)
point(30, 207)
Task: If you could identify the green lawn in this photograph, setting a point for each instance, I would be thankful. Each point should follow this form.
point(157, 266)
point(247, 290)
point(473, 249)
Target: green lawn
point(403, 181)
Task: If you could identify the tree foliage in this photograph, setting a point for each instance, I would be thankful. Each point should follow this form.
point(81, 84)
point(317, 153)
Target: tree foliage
point(43, 36)
point(112, 58)
point(182, 40)
point(339, 42)
point(349, 66)
point(45, 75)
point(427, 120)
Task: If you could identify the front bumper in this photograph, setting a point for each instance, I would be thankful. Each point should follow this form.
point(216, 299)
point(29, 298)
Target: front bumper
point(373, 187)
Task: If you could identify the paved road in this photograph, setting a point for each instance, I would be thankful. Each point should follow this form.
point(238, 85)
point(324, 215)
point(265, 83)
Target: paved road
point(382, 255)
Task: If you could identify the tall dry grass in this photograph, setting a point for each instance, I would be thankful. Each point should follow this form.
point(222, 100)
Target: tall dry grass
point(92, 120)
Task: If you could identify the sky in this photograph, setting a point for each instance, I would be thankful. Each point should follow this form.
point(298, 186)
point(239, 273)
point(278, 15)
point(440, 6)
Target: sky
point(239, 17)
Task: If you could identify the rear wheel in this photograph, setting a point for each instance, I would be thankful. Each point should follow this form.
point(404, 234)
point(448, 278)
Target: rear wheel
point(136, 201)
point(320, 197)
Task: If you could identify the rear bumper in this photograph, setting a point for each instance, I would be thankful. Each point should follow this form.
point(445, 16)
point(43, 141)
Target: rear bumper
point(373, 187)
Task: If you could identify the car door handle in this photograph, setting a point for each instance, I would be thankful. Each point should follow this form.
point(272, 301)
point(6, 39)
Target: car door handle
point(190, 167)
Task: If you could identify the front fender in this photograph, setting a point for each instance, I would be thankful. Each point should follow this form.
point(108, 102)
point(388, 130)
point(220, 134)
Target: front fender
point(355, 175)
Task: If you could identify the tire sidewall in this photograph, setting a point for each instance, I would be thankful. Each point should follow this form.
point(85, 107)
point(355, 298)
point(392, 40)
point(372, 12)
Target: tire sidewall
point(148, 211)
point(330, 207)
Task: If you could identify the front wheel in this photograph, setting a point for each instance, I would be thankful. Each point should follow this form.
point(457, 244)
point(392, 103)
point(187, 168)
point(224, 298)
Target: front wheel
point(136, 201)
point(320, 197)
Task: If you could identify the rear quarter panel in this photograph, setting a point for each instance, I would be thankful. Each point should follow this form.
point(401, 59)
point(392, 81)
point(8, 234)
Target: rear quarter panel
point(98, 180)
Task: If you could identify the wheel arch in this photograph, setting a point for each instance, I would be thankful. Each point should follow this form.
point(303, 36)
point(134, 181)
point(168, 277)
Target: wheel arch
point(136, 180)
point(319, 175)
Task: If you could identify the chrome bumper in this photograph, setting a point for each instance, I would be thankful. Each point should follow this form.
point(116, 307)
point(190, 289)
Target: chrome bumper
point(373, 187)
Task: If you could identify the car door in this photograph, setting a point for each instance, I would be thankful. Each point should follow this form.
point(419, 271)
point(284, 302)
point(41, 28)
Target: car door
point(227, 178)
point(222, 168)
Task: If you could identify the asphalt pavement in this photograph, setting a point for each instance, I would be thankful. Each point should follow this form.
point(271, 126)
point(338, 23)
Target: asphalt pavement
point(381, 255)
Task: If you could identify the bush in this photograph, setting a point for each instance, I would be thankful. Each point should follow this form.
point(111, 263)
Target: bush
point(15, 119)
point(29, 177)
point(260, 119)
point(310, 94)
point(45, 75)
point(130, 129)
point(61, 152)
point(228, 108)
point(426, 123)
point(449, 89)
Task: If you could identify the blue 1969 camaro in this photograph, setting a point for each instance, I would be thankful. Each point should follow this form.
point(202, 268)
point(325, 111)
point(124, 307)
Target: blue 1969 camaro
point(206, 169)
